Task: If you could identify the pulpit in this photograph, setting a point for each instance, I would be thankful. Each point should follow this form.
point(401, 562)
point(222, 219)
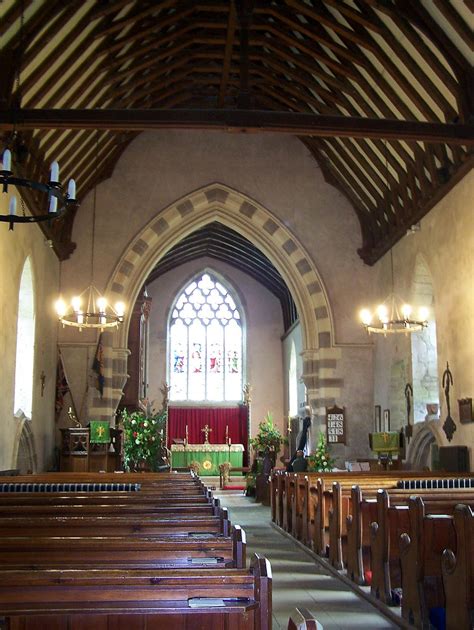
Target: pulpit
point(209, 456)
point(81, 454)
point(387, 444)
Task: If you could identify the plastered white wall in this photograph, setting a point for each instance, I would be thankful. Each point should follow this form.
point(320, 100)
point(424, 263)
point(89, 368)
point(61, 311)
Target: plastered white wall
point(15, 246)
point(446, 242)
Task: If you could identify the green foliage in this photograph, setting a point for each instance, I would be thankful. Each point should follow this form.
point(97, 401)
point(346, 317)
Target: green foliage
point(143, 438)
point(320, 460)
point(268, 438)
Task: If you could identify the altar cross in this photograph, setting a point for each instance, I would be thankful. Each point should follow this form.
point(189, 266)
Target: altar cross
point(207, 429)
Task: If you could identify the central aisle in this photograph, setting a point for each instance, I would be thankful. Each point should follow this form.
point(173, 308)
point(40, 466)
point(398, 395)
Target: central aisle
point(297, 578)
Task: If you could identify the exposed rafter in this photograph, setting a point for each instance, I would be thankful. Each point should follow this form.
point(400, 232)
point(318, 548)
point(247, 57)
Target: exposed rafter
point(365, 84)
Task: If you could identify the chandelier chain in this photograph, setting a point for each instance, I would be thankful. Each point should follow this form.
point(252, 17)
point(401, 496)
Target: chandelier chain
point(94, 203)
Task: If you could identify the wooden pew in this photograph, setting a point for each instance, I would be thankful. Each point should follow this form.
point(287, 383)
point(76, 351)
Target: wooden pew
point(42, 552)
point(392, 521)
point(101, 498)
point(328, 511)
point(458, 572)
point(350, 516)
point(420, 559)
point(294, 496)
point(134, 599)
point(364, 511)
point(116, 524)
point(302, 619)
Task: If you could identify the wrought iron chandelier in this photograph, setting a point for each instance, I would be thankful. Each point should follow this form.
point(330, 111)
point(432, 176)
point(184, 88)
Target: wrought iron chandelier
point(56, 201)
point(393, 315)
point(90, 309)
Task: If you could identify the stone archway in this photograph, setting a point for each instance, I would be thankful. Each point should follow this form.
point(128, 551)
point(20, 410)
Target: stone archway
point(419, 451)
point(217, 202)
point(24, 451)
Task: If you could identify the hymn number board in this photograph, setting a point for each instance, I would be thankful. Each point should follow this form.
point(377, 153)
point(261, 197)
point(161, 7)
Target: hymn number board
point(336, 425)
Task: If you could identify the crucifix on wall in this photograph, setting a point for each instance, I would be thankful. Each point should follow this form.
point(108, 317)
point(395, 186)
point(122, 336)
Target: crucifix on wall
point(206, 432)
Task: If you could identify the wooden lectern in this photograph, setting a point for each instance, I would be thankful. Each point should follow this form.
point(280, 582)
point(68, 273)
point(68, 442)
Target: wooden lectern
point(79, 454)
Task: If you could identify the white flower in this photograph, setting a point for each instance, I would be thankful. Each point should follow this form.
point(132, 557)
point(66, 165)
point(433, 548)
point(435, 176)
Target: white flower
point(134, 422)
point(145, 424)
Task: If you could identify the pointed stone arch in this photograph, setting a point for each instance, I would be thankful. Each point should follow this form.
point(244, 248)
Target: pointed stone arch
point(217, 202)
point(24, 451)
point(419, 451)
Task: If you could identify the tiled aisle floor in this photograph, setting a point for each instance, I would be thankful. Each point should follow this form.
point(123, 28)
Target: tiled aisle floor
point(297, 578)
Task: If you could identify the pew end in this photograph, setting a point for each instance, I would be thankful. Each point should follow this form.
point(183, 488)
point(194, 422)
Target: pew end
point(458, 572)
point(302, 619)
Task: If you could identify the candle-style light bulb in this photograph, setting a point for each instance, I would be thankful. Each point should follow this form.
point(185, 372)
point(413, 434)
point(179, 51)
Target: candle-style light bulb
point(7, 160)
point(365, 316)
point(53, 205)
point(76, 303)
point(71, 190)
point(12, 206)
point(60, 307)
point(101, 304)
point(120, 309)
point(423, 313)
point(54, 174)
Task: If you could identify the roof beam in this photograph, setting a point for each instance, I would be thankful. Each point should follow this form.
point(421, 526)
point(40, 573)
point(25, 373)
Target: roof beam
point(229, 43)
point(237, 120)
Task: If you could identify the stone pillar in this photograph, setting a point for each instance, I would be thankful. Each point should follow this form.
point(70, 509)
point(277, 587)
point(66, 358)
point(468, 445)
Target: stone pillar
point(323, 388)
point(114, 371)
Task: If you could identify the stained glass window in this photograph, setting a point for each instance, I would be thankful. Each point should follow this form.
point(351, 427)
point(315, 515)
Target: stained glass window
point(205, 343)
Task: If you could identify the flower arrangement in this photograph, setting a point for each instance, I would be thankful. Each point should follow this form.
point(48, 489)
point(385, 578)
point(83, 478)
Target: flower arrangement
point(320, 460)
point(143, 434)
point(268, 438)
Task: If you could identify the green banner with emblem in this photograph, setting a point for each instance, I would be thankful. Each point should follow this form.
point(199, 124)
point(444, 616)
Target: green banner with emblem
point(99, 432)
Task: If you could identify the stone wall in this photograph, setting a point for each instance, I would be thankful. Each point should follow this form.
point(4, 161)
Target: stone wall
point(15, 246)
point(445, 241)
point(317, 253)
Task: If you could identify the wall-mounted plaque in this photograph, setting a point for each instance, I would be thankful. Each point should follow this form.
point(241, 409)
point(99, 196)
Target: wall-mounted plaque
point(335, 425)
point(465, 410)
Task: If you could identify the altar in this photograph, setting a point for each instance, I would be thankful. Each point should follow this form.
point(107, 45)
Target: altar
point(209, 456)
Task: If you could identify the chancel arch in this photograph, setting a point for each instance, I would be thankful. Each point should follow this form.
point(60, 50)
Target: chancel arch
point(217, 202)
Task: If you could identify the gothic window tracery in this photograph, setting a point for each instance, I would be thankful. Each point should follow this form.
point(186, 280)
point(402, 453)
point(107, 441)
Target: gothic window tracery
point(205, 343)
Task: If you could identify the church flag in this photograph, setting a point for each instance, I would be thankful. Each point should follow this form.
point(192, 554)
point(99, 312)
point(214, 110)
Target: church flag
point(98, 366)
point(62, 386)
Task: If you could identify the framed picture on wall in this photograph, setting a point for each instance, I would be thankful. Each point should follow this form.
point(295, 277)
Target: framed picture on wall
point(377, 418)
point(386, 420)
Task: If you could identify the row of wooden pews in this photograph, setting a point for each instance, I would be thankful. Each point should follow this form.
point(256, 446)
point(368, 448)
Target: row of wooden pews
point(409, 536)
point(164, 555)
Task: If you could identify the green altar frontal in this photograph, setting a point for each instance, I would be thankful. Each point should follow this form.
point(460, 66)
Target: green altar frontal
point(208, 455)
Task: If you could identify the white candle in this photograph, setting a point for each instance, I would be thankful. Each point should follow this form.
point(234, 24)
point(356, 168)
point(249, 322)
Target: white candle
point(71, 190)
point(53, 205)
point(12, 206)
point(54, 177)
point(7, 160)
